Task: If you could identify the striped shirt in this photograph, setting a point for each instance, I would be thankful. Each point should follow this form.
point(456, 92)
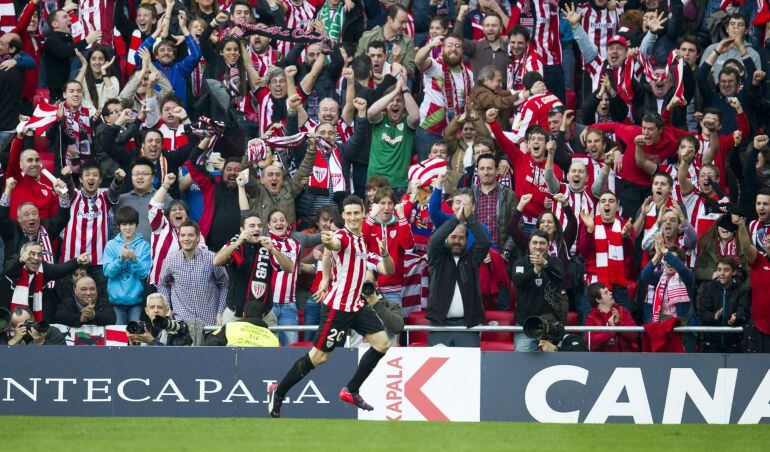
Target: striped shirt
point(542, 19)
point(173, 139)
point(600, 24)
point(164, 240)
point(88, 228)
point(296, 17)
point(285, 283)
point(349, 272)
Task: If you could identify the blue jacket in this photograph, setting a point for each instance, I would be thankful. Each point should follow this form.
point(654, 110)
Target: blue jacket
point(650, 277)
point(125, 278)
point(178, 73)
point(438, 216)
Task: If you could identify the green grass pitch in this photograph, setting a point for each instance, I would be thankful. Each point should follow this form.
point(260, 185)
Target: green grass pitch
point(175, 434)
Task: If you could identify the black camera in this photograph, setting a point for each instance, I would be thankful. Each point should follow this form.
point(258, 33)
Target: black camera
point(368, 289)
point(544, 327)
point(170, 325)
point(40, 327)
point(136, 327)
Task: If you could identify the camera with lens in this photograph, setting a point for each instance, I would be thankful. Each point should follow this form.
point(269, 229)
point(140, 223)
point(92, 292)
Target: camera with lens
point(170, 325)
point(544, 327)
point(40, 327)
point(368, 289)
point(136, 327)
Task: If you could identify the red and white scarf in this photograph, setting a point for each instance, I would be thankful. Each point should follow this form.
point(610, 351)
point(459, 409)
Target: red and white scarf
point(133, 47)
point(453, 106)
point(77, 126)
point(197, 77)
point(608, 246)
point(22, 290)
point(7, 16)
point(674, 65)
point(327, 169)
point(669, 292)
point(257, 149)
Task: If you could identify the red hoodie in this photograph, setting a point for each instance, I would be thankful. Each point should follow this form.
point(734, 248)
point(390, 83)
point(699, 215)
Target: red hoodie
point(608, 341)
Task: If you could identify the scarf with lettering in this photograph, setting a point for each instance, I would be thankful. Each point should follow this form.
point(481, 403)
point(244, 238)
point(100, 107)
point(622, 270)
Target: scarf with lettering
point(608, 246)
point(451, 96)
point(326, 178)
point(301, 35)
point(22, 291)
point(669, 292)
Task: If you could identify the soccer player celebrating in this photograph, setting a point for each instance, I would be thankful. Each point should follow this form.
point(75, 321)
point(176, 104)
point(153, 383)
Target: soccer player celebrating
point(343, 308)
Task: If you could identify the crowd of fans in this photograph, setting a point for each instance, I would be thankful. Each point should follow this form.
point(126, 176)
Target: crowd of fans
point(605, 163)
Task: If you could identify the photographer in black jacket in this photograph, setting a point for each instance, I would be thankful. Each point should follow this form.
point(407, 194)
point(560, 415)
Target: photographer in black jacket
point(157, 307)
point(537, 277)
point(455, 293)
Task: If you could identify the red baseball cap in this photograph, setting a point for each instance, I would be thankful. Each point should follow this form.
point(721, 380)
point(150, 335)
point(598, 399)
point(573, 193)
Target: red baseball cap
point(618, 39)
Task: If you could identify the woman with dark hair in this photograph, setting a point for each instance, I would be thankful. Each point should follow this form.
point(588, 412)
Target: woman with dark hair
point(97, 77)
point(204, 9)
point(559, 241)
point(226, 64)
point(720, 240)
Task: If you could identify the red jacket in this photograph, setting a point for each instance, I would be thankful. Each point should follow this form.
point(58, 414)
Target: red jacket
point(39, 192)
point(608, 341)
point(664, 149)
point(399, 239)
point(32, 46)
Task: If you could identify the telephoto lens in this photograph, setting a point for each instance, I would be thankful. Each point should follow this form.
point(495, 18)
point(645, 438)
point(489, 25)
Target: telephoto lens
point(169, 324)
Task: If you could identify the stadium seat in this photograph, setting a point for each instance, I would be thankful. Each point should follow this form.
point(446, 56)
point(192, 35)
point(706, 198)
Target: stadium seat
point(417, 318)
point(300, 344)
point(498, 318)
point(572, 318)
point(497, 346)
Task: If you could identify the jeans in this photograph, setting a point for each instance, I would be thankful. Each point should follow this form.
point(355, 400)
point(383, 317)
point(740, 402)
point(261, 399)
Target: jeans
point(620, 294)
point(312, 311)
point(125, 314)
point(423, 141)
point(286, 314)
point(524, 343)
point(554, 81)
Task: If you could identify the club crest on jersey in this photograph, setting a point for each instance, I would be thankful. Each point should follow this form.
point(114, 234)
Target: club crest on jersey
point(44, 192)
point(319, 173)
point(393, 234)
point(258, 289)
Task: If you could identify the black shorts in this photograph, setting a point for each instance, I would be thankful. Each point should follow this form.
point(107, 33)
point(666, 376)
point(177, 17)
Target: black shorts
point(334, 324)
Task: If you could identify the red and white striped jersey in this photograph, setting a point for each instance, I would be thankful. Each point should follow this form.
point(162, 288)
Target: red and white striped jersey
point(597, 67)
point(409, 29)
point(579, 201)
point(7, 16)
point(600, 24)
point(594, 169)
point(264, 104)
point(673, 170)
point(533, 111)
point(164, 240)
point(285, 283)
point(88, 228)
point(263, 61)
point(173, 139)
point(529, 61)
point(349, 272)
point(542, 19)
point(99, 15)
point(296, 17)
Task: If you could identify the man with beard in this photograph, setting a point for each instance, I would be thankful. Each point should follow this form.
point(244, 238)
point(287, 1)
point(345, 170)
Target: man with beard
point(161, 161)
point(262, 54)
point(394, 118)
point(605, 245)
point(165, 218)
point(25, 168)
point(455, 292)
point(579, 199)
point(177, 73)
point(529, 174)
point(29, 227)
point(447, 87)
point(88, 228)
point(193, 285)
point(488, 51)
point(26, 277)
point(393, 36)
point(86, 308)
point(59, 49)
point(523, 59)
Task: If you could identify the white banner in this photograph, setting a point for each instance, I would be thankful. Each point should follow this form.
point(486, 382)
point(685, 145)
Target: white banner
point(112, 335)
point(419, 384)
